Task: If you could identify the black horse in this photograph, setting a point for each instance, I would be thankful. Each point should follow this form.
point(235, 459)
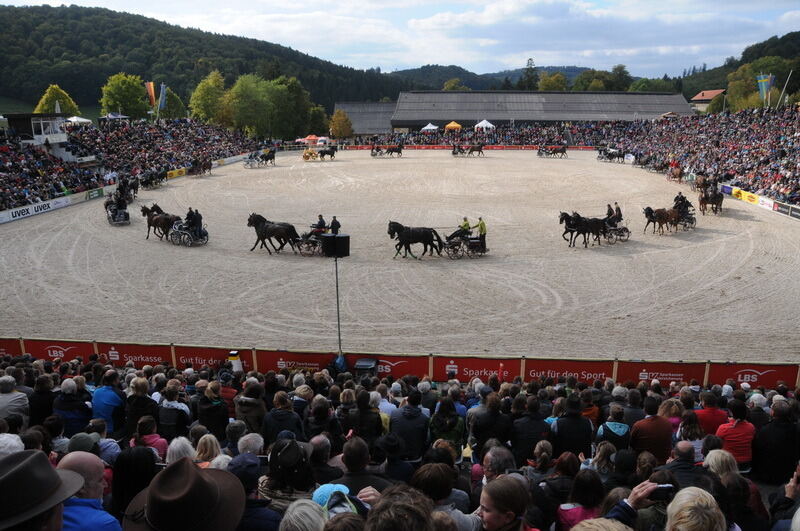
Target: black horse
point(268, 157)
point(408, 235)
point(587, 226)
point(330, 151)
point(560, 152)
point(266, 230)
point(569, 227)
point(476, 149)
point(395, 149)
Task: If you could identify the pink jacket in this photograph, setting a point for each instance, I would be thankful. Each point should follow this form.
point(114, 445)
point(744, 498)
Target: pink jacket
point(156, 442)
point(571, 514)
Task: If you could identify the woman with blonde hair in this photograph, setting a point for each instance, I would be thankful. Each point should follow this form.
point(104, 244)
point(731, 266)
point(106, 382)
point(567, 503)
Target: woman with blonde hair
point(138, 405)
point(601, 462)
point(722, 462)
point(693, 509)
point(672, 410)
point(207, 449)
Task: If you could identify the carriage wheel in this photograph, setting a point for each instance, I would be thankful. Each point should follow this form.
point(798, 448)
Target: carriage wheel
point(186, 239)
point(175, 237)
point(611, 237)
point(306, 248)
point(693, 223)
point(624, 234)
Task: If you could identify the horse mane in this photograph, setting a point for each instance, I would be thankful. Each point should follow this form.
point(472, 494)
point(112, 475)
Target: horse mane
point(258, 218)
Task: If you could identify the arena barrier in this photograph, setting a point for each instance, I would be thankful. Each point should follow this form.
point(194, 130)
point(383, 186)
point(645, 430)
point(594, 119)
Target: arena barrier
point(438, 366)
point(764, 202)
point(450, 147)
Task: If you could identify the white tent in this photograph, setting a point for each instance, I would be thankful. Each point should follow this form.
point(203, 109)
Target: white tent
point(430, 127)
point(484, 124)
point(78, 120)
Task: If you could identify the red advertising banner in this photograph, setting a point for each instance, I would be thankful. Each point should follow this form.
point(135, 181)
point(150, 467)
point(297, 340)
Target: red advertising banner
point(9, 347)
point(211, 356)
point(393, 365)
point(467, 368)
point(583, 370)
point(753, 373)
point(275, 360)
point(58, 349)
point(121, 353)
point(665, 372)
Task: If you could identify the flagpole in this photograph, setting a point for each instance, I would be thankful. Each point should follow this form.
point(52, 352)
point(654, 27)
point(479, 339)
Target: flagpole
point(784, 88)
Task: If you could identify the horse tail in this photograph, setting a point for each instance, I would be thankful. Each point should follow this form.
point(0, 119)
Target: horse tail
point(438, 239)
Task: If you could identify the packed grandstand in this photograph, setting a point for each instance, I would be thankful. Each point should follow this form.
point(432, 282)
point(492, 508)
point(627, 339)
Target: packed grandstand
point(336, 449)
point(755, 149)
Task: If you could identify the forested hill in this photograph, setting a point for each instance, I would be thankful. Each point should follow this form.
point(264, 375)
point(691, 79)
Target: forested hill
point(436, 75)
point(79, 47)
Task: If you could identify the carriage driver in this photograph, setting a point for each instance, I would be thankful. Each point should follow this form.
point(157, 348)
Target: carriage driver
point(320, 226)
point(481, 226)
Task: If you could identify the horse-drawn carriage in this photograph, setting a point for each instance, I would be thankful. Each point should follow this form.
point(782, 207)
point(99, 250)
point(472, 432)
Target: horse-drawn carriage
point(619, 233)
point(310, 243)
point(259, 160)
point(607, 154)
point(117, 211)
point(552, 152)
point(183, 235)
point(152, 179)
point(463, 245)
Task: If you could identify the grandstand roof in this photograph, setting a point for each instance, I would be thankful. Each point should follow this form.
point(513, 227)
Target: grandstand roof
point(368, 118)
point(469, 107)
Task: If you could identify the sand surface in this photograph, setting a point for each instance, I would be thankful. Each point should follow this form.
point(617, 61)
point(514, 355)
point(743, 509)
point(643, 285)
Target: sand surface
point(729, 290)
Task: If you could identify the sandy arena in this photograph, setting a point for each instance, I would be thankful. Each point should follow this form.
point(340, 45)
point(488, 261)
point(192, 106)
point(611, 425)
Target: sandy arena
point(728, 291)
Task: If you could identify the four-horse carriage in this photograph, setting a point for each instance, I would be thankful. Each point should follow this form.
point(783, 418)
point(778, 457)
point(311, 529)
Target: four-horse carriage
point(258, 160)
point(183, 235)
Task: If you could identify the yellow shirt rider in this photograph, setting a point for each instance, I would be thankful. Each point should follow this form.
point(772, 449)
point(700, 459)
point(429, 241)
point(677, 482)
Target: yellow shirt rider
point(481, 226)
point(464, 224)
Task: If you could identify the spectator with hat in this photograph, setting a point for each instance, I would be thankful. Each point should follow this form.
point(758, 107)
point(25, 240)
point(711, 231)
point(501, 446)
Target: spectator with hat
point(290, 476)
point(25, 502)
point(183, 496)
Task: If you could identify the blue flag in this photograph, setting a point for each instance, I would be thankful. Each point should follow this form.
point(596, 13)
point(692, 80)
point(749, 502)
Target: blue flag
point(162, 97)
point(765, 83)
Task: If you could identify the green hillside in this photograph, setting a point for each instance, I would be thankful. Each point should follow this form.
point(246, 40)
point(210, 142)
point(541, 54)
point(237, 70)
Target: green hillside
point(79, 47)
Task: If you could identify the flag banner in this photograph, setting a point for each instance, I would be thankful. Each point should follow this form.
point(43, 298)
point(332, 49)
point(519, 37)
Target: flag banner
point(151, 92)
point(162, 97)
point(765, 83)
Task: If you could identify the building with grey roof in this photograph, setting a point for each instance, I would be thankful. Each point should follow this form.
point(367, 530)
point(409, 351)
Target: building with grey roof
point(369, 118)
point(415, 109)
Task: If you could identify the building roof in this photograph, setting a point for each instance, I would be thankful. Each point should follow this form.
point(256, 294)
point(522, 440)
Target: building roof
point(368, 118)
point(469, 107)
point(707, 95)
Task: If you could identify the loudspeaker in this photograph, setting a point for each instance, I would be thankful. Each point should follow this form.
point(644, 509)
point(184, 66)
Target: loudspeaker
point(336, 245)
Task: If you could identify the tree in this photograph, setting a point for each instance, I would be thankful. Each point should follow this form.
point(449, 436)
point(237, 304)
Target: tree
point(620, 79)
point(249, 108)
point(318, 121)
point(454, 84)
point(506, 85)
point(554, 81)
point(530, 77)
point(596, 85)
point(296, 123)
point(47, 103)
point(125, 93)
point(341, 126)
point(716, 104)
point(174, 107)
point(652, 85)
point(207, 97)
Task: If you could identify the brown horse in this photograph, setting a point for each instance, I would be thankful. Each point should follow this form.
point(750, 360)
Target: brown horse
point(708, 197)
point(661, 217)
point(675, 174)
point(159, 220)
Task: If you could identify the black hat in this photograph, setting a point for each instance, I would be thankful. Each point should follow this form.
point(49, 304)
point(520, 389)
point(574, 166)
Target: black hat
point(31, 486)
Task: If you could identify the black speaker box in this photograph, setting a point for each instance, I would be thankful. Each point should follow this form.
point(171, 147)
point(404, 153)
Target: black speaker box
point(336, 245)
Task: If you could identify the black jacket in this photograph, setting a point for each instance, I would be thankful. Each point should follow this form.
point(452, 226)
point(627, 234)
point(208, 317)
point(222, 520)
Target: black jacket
point(525, 433)
point(324, 473)
point(41, 406)
point(367, 424)
point(331, 426)
point(412, 426)
point(687, 474)
point(278, 420)
point(356, 481)
point(776, 450)
point(137, 407)
point(487, 425)
point(213, 415)
point(572, 433)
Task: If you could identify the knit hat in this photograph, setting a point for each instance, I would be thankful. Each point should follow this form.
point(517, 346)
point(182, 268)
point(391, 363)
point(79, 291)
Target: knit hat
point(323, 493)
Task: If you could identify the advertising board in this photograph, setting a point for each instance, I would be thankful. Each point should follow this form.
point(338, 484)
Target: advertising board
point(211, 356)
point(396, 366)
point(754, 374)
point(581, 369)
point(467, 368)
point(59, 349)
point(663, 371)
point(121, 353)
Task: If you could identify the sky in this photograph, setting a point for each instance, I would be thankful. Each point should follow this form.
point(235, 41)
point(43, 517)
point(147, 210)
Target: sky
point(651, 37)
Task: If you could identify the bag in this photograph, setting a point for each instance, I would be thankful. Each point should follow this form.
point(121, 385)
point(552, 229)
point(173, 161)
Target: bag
point(339, 502)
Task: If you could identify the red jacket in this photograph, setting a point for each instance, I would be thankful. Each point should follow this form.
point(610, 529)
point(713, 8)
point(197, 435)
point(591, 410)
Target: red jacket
point(653, 434)
point(228, 394)
point(737, 438)
point(711, 418)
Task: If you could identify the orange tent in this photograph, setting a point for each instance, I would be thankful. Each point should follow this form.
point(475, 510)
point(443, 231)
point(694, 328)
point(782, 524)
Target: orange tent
point(311, 139)
point(453, 126)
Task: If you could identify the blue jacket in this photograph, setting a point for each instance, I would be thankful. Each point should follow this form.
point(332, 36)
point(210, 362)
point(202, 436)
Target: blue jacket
point(83, 513)
point(258, 517)
point(109, 404)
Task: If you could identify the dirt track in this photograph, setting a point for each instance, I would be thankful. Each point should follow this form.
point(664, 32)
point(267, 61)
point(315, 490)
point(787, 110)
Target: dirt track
point(729, 290)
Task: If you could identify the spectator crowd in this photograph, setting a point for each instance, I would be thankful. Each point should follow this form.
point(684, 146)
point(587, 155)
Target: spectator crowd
point(88, 446)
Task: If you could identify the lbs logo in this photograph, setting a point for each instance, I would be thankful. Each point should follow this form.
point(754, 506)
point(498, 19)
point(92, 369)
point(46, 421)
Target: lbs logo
point(57, 351)
point(385, 366)
point(750, 375)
